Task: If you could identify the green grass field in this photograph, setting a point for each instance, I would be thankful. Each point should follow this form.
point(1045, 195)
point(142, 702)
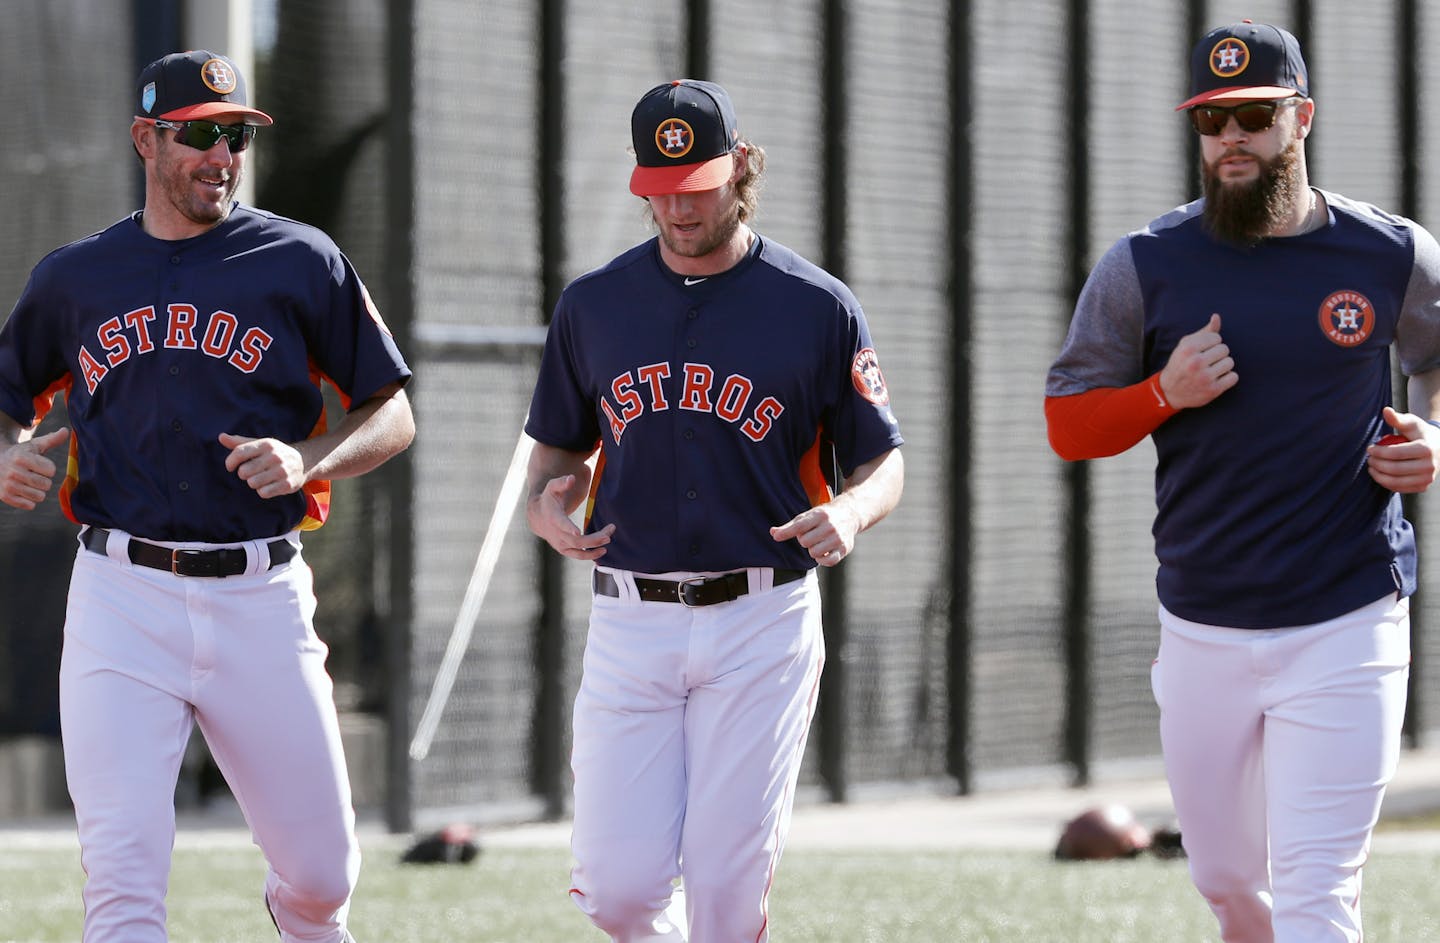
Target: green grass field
point(512, 895)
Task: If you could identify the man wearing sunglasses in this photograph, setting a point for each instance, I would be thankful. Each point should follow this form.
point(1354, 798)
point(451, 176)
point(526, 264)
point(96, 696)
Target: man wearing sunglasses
point(1250, 335)
point(190, 340)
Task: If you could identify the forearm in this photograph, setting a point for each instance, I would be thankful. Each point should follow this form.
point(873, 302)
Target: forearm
point(1105, 421)
point(874, 489)
point(548, 463)
point(370, 433)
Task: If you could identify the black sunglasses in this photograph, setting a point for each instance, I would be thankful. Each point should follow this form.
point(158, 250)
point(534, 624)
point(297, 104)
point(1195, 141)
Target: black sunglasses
point(202, 135)
point(1252, 117)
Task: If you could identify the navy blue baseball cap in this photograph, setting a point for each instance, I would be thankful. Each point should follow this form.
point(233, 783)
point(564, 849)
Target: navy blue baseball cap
point(683, 133)
point(1246, 62)
point(197, 84)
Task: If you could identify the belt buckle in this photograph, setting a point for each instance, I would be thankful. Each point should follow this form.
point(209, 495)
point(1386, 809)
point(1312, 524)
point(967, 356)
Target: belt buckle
point(697, 582)
point(175, 558)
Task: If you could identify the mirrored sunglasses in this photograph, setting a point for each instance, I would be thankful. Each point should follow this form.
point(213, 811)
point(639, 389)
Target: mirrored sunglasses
point(202, 135)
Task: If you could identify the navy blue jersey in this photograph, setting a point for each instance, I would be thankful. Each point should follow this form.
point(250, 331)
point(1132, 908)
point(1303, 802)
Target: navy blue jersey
point(1266, 514)
point(160, 346)
point(712, 403)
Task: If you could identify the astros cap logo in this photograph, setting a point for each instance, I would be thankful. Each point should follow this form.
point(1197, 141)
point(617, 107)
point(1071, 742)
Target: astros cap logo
point(674, 138)
point(1229, 58)
point(1347, 318)
point(218, 76)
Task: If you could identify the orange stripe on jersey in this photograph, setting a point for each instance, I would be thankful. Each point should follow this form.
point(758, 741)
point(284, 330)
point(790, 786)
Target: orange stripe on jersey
point(42, 406)
point(317, 504)
point(594, 487)
point(43, 403)
point(320, 379)
point(812, 474)
point(317, 493)
point(72, 478)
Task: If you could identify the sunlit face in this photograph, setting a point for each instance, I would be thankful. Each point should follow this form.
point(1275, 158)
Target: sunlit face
point(698, 230)
point(1253, 179)
point(695, 225)
point(1235, 155)
point(188, 190)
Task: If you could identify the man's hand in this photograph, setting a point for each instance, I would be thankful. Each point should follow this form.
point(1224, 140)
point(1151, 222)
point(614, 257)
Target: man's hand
point(1411, 466)
point(1199, 369)
point(270, 467)
point(25, 472)
point(545, 513)
point(827, 531)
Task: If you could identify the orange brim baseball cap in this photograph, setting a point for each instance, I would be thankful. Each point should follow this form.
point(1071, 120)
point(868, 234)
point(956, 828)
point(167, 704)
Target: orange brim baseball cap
point(199, 84)
point(683, 133)
point(1246, 62)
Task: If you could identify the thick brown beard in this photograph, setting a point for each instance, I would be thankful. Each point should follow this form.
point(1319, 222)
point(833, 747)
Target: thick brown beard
point(1244, 214)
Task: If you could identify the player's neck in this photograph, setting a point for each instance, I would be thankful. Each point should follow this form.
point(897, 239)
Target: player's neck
point(722, 258)
point(1306, 215)
point(161, 221)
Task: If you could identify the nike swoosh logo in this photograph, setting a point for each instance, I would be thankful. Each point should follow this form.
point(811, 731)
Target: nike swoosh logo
point(694, 281)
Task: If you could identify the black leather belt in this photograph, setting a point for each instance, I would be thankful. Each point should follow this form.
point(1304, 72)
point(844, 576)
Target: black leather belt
point(700, 591)
point(230, 561)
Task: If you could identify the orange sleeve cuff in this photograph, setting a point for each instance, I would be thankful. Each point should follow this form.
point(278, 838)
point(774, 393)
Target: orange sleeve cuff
point(1105, 421)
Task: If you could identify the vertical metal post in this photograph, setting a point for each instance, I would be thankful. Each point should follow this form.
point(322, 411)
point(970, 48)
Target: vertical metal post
point(548, 728)
point(697, 39)
point(960, 290)
point(397, 476)
point(1407, 102)
point(1304, 32)
point(155, 32)
point(1197, 24)
point(834, 693)
point(1078, 590)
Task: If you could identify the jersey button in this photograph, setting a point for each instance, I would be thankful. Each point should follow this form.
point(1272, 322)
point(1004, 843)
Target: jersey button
point(174, 260)
point(177, 425)
point(694, 549)
point(691, 343)
point(184, 486)
point(690, 494)
point(693, 313)
point(689, 433)
point(174, 370)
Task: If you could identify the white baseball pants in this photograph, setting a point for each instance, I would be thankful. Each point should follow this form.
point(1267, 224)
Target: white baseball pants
point(1278, 745)
point(147, 655)
point(690, 726)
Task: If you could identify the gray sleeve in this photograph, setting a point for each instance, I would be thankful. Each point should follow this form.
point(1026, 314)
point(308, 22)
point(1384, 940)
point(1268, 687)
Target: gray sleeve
point(1103, 346)
point(1417, 336)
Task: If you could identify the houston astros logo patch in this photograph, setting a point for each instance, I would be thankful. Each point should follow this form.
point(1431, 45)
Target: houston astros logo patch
point(1229, 57)
point(869, 381)
point(218, 76)
point(1347, 318)
point(674, 137)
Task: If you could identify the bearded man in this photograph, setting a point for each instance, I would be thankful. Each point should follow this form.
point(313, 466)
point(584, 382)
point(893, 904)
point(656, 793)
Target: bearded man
point(1249, 334)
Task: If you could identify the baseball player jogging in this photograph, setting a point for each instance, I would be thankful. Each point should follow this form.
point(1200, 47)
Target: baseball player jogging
point(1250, 334)
point(189, 340)
point(709, 368)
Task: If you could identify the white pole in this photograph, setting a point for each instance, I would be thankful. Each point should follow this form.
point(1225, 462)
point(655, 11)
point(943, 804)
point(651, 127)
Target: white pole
point(505, 503)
